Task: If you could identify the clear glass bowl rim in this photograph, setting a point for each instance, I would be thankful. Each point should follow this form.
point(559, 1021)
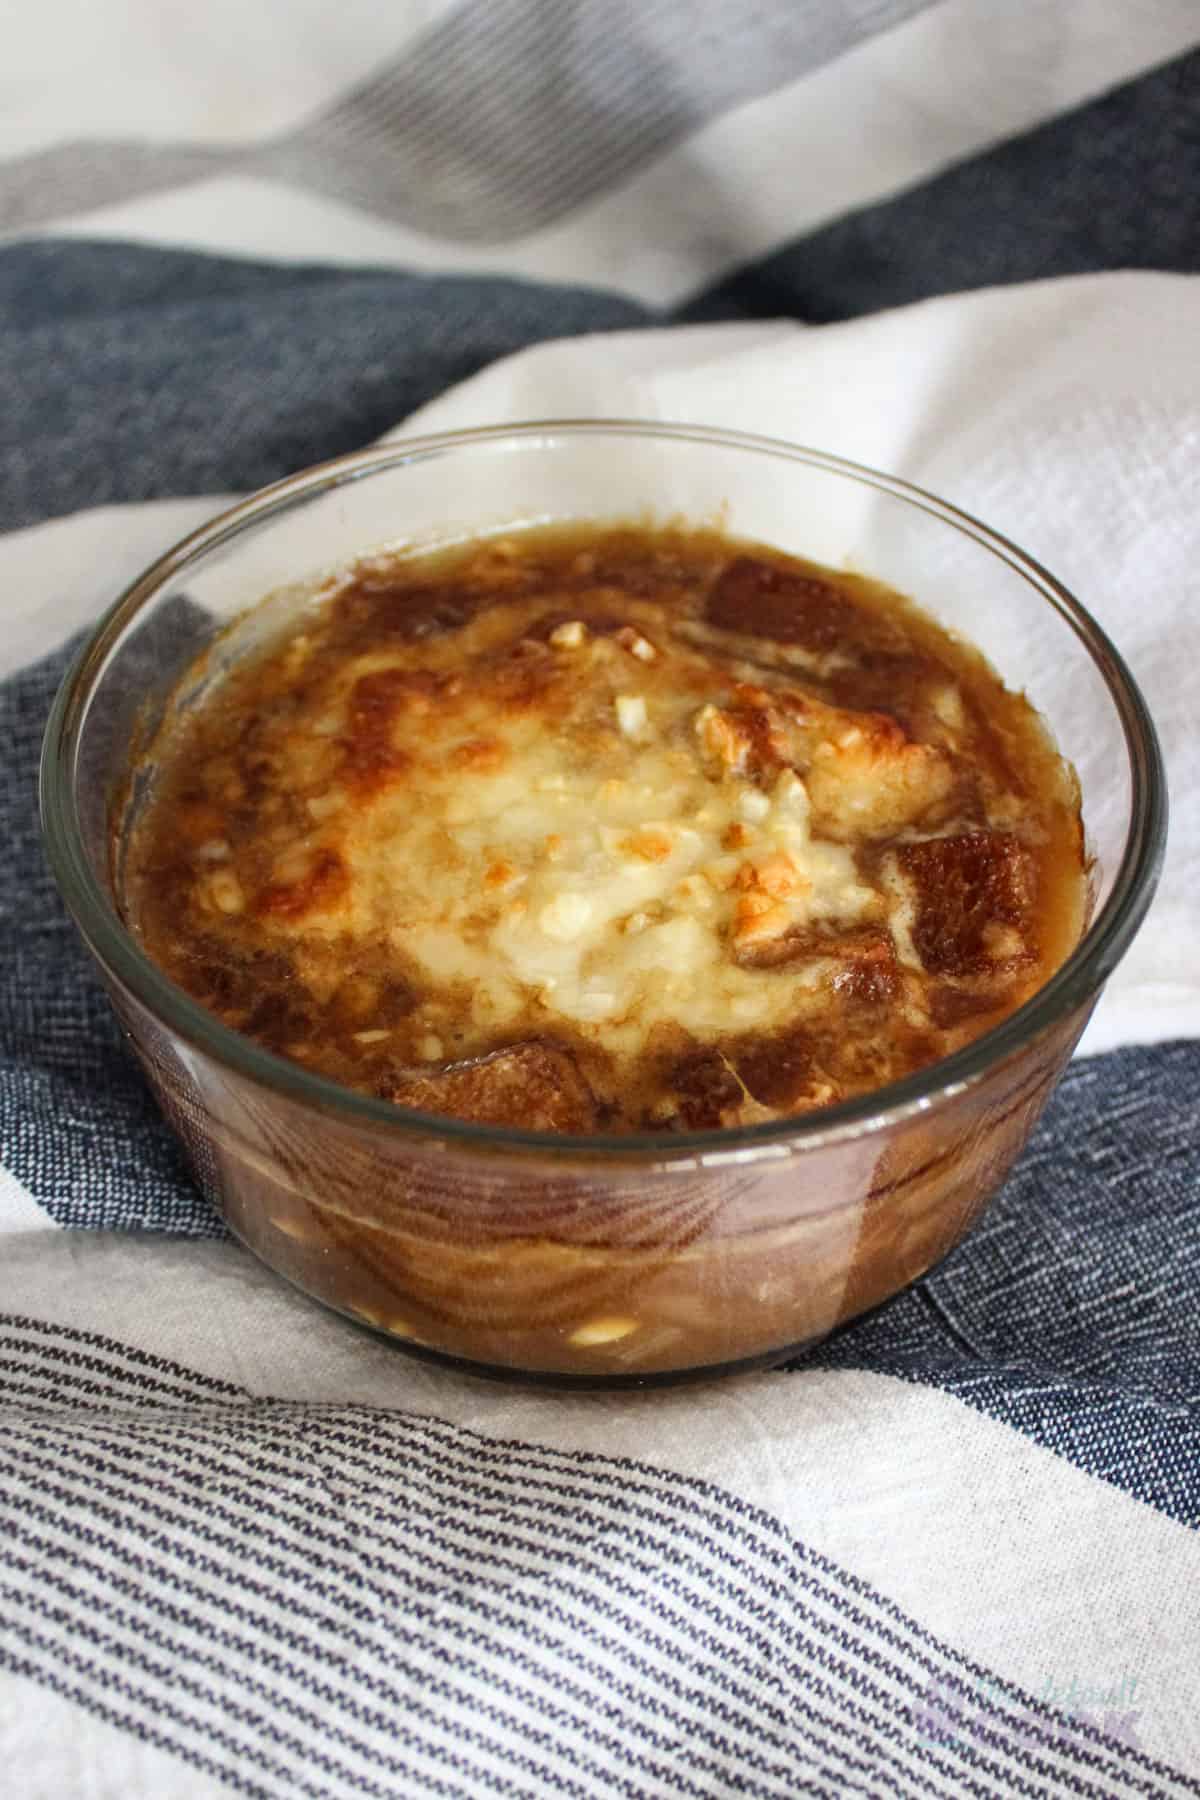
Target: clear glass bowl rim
point(1077, 981)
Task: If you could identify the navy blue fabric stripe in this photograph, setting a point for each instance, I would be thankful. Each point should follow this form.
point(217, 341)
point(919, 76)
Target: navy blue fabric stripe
point(596, 1625)
point(130, 373)
point(77, 1121)
point(1115, 184)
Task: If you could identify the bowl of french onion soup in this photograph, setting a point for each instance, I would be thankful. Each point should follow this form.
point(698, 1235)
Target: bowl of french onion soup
point(601, 902)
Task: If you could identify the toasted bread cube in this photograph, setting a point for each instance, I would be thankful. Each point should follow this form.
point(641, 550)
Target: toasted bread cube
point(761, 600)
point(875, 780)
point(965, 886)
point(538, 1086)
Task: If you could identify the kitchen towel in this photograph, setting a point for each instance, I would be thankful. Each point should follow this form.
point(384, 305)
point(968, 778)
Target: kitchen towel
point(245, 1547)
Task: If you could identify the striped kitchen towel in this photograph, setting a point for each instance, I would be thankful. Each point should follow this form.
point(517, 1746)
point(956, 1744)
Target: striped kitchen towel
point(246, 1548)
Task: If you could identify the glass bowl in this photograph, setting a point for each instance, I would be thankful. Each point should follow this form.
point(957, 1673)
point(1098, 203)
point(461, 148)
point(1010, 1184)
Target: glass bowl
point(596, 1260)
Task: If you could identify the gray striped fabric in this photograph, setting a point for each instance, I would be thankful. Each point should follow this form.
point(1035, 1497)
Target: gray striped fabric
point(342, 1600)
point(501, 119)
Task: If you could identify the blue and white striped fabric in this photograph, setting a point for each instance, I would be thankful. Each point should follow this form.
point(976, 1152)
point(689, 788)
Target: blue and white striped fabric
point(242, 1546)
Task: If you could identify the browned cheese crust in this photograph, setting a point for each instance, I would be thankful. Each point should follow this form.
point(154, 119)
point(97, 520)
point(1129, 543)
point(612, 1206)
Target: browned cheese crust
point(609, 829)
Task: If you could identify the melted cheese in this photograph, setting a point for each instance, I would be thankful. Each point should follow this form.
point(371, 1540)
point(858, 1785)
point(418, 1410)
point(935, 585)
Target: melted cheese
point(588, 857)
point(623, 897)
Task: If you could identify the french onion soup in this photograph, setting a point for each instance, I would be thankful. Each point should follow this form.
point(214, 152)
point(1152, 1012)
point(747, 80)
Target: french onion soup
point(608, 830)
